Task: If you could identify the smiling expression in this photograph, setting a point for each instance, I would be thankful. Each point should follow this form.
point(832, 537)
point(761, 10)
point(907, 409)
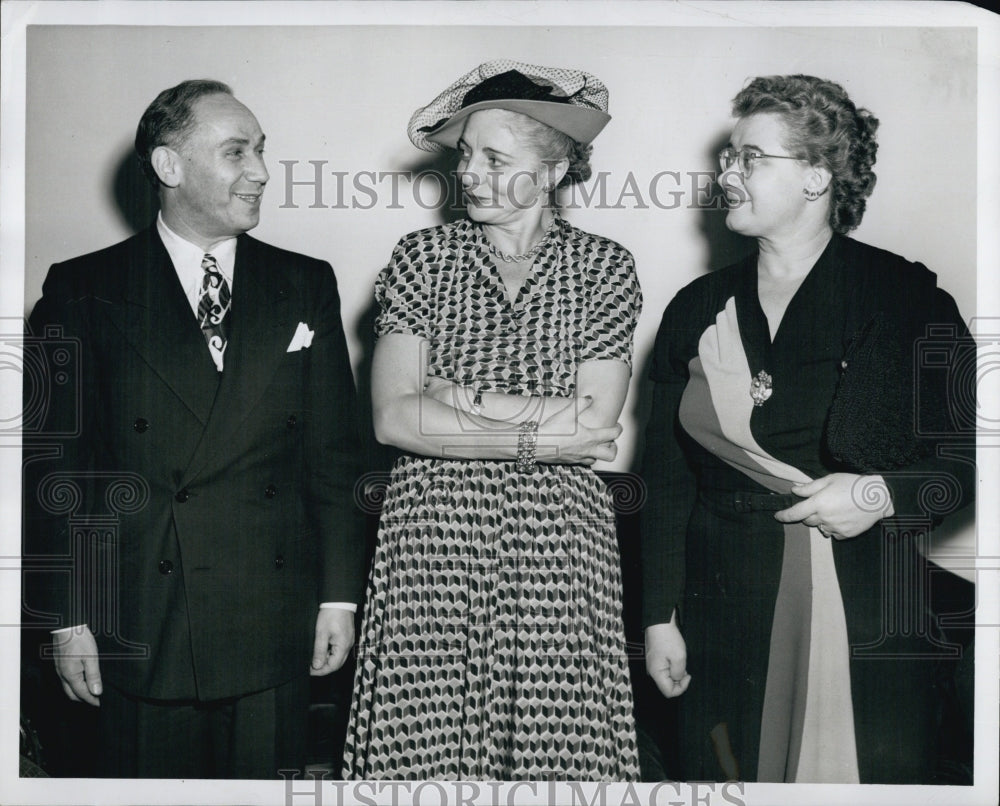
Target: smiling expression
point(222, 172)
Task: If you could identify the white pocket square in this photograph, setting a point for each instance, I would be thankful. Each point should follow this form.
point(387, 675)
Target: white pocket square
point(303, 338)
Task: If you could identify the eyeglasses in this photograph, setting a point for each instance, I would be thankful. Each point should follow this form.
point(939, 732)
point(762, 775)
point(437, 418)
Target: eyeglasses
point(747, 158)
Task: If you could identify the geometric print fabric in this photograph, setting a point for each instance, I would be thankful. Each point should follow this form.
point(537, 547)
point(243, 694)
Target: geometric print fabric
point(493, 644)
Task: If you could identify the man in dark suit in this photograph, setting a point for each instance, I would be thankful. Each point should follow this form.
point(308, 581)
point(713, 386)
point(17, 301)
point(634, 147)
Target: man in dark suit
point(216, 417)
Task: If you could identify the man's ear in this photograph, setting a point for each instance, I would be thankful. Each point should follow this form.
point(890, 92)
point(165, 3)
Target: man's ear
point(168, 166)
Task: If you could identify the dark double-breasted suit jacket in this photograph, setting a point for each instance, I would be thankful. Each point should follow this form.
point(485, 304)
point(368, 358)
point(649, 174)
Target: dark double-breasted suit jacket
point(230, 494)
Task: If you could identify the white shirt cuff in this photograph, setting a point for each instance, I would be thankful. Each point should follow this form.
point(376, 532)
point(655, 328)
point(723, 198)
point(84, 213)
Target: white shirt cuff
point(77, 628)
point(339, 606)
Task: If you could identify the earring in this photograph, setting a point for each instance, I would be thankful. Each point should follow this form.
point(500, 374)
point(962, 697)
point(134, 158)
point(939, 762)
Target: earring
point(811, 195)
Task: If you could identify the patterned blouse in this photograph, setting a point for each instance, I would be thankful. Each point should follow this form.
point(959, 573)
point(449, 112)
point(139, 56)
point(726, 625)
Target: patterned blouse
point(580, 302)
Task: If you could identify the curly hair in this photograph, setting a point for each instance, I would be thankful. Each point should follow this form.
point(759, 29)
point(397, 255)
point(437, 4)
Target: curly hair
point(551, 146)
point(823, 127)
point(170, 118)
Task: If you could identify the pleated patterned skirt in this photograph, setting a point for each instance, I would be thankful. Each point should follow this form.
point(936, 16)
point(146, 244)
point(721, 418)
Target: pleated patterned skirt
point(493, 645)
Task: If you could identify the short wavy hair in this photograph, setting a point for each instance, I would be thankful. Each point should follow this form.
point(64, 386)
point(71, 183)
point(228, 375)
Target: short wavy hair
point(823, 127)
point(551, 146)
point(170, 118)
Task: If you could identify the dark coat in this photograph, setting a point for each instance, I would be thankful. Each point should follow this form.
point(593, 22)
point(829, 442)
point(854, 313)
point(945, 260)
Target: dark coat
point(206, 515)
point(880, 366)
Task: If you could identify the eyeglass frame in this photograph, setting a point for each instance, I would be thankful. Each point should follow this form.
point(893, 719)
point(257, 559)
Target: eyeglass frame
point(747, 168)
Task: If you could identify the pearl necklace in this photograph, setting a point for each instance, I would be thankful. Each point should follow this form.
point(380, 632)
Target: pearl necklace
point(531, 254)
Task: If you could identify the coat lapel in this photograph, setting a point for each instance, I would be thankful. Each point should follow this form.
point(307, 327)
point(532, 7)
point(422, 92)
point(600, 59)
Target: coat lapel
point(156, 320)
point(259, 335)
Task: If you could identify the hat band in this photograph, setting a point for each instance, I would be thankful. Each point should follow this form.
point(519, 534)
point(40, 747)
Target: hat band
point(512, 85)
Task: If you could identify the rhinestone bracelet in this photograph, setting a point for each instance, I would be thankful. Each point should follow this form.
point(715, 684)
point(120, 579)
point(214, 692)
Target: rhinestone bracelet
point(527, 440)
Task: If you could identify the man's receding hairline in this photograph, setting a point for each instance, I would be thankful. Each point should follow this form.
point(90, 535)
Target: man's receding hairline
point(195, 122)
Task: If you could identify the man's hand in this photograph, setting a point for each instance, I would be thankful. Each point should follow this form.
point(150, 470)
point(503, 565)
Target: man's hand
point(666, 658)
point(334, 639)
point(77, 666)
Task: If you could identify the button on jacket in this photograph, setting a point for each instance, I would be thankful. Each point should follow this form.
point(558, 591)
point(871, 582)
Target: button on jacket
point(246, 520)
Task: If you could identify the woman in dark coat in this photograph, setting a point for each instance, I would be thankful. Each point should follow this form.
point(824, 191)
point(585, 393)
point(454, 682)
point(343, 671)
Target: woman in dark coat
point(794, 469)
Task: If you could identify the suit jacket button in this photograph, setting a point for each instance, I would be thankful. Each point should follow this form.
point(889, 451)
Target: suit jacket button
point(292, 421)
point(141, 425)
point(166, 567)
point(270, 491)
point(279, 562)
point(182, 496)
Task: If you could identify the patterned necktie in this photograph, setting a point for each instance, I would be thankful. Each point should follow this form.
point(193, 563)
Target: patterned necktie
point(213, 305)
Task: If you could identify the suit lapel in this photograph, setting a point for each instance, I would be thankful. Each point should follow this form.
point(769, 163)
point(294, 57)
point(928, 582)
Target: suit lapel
point(260, 332)
point(156, 319)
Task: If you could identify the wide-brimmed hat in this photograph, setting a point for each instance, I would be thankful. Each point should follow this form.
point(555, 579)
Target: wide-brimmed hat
point(570, 101)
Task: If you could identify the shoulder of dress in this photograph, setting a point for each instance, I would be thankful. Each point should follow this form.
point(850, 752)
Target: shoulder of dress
point(882, 271)
point(582, 237)
point(440, 234)
point(696, 304)
point(724, 282)
point(597, 248)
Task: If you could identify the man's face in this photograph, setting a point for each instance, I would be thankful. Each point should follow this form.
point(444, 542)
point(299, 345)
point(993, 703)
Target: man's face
point(222, 170)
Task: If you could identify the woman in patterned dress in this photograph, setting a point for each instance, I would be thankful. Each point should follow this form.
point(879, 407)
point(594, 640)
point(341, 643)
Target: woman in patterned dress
point(790, 486)
point(492, 645)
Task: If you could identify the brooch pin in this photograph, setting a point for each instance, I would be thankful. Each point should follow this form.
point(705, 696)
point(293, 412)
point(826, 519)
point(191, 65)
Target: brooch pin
point(760, 388)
